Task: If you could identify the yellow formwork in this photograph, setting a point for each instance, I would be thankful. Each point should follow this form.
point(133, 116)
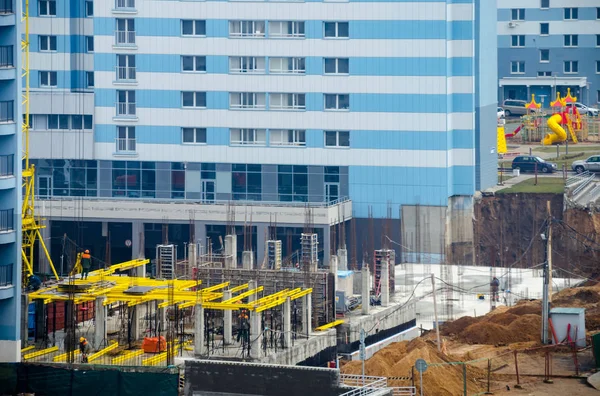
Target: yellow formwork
point(27, 349)
point(40, 353)
point(128, 356)
point(103, 352)
point(63, 356)
point(330, 325)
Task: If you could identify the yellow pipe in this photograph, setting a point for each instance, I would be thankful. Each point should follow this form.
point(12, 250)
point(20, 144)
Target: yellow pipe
point(63, 357)
point(29, 348)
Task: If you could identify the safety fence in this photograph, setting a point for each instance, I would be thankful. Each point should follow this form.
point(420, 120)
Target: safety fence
point(370, 385)
point(47, 379)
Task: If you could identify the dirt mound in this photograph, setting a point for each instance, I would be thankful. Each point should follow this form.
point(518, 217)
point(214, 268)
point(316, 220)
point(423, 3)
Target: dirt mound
point(504, 319)
point(485, 333)
point(526, 307)
point(458, 325)
point(525, 328)
point(578, 297)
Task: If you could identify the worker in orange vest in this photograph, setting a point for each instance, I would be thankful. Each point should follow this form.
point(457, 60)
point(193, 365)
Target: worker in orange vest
point(86, 263)
point(84, 348)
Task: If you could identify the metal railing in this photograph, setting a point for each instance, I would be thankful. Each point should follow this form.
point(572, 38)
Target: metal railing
point(577, 178)
point(7, 165)
point(125, 37)
point(7, 111)
point(126, 109)
point(125, 145)
point(366, 385)
point(584, 183)
point(124, 4)
point(7, 220)
point(6, 7)
point(6, 56)
point(6, 275)
point(125, 73)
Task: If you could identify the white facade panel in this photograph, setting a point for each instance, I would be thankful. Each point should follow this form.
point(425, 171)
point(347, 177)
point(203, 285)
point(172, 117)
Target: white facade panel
point(536, 3)
point(460, 48)
point(60, 144)
point(60, 61)
point(460, 12)
point(61, 26)
point(61, 102)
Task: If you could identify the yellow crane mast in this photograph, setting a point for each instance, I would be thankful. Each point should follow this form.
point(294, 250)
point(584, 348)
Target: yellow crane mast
point(29, 226)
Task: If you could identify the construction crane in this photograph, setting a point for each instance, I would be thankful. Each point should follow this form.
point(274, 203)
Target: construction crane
point(29, 226)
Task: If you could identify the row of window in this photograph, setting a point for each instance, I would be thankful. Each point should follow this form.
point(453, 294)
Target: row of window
point(49, 79)
point(570, 40)
point(48, 8)
point(569, 67)
point(569, 13)
point(60, 121)
point(126, 138)
point(47, 43)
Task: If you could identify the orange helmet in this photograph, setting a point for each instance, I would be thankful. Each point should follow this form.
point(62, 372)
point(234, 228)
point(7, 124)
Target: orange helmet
point(87, 251)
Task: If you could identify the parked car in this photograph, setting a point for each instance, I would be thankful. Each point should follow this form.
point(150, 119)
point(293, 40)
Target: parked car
point(500, 112)
point(583, 109)
point(591, 164)
point(528, 163)
point(514, 107)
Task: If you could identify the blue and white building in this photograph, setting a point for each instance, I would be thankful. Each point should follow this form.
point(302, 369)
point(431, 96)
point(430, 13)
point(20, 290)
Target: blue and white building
point(10, 182)
point(155, 112)
point(545, 46)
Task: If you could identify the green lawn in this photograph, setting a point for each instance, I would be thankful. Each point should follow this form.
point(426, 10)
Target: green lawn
point(554, 185)
point(572, 149)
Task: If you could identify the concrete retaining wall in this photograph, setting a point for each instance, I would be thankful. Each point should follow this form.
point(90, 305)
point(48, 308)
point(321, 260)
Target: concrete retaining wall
point(303, 350)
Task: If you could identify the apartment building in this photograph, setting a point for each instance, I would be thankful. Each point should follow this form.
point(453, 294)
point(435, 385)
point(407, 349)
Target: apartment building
point(545, 46)
point(203, 114)
point(10, 182)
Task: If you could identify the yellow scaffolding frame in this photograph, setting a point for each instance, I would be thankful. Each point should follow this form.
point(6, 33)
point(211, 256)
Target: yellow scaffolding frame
point(40, 353)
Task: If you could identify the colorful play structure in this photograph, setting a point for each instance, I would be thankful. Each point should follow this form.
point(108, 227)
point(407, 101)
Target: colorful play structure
point(565, 115)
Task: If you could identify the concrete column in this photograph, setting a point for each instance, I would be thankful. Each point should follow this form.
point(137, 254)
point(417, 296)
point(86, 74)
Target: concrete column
point(326, 246)
point(231, 251)
point(200, 231)
point(365, 290)
point(199, 346)
point(100, 338)
point(287, 323)
point(227, 320)
point(261, 244)
point(162, 320)
point(138, 314)
point(248, 259)
point(342, 259)
point(385, 283)
point(44, 264)
point(333, 268)
point(307, 314)
point(192, 257)
point(137, 239)
point(255, 330)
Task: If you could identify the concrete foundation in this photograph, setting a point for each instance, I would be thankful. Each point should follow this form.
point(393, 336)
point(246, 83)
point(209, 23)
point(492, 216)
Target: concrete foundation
point(303, 349)
point(248, 259)
point(199, 346)
point(100, 337)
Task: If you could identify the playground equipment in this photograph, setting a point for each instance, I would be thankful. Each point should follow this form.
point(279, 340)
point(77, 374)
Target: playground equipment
point(566, 115)
point(530, 121)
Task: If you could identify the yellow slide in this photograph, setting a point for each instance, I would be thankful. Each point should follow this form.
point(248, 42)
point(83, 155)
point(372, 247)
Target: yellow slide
point(559, 134)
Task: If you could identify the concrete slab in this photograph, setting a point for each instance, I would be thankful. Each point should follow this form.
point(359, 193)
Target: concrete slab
point(594, 380)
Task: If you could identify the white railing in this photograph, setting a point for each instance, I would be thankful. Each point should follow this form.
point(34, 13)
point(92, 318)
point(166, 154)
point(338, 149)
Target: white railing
point(125, 37)
point(239, 70)
point(125, 109)
point(404, 391)
point(125, 145)
point(124, 4)
point(368, 385)
point(584, 183)
point(125, 73)
point(577, 178)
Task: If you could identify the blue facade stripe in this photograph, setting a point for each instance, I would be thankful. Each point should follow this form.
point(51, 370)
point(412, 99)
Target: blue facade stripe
point(171, 27)
point(548, 15)
point(552, 41)
point(397, 103)
point(462, 182)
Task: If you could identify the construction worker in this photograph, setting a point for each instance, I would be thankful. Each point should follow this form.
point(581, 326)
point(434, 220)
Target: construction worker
point(495, 284)
point(84, 348)
point(244, 331)
point(86, 264)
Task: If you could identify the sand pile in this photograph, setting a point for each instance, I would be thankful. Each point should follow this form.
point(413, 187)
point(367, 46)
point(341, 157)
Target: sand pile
point(397, 360)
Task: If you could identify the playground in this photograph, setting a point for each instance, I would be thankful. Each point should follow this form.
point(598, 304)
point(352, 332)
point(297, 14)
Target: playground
point(560, 124)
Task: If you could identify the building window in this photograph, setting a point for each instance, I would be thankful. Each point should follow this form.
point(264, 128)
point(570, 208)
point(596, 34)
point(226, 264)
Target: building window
point(287, 65)
point(336, 29)
point(337, 65)
point(47, 43)
point(125, 34)
point(193, 99)
point(89, 8)
point(247, 64)
point(544, 74)
point(598, 67)
point(571, 40)
point(89, 43)
point(247, 28)
point(598, 96)
point(126, 103)
point(598, 13)
point(287, 101)
point(89, 79)
point(517, 14)
point(337, 101)
point(125, 138)
point(292, 183)
point(337, 139)
point(193, 28)
point(571, 13)
point(120, 4)
point(194, 135)
point(246, 182)
point(544, 4)
point(126, 67)
point(517, 41)
point(286, 29)
point(47, 7)
point(544, 29)
point(48, 79)
point(517, 67)
point(193, 63)
point(287, 137)
point(248, 136)
point(598, 40)
point(544, 56)
point(247, 100)
point(571, 67)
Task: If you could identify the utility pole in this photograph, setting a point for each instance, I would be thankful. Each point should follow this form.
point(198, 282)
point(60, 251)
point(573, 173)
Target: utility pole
point(549, 252)
point(437, 324)
point(546, 293)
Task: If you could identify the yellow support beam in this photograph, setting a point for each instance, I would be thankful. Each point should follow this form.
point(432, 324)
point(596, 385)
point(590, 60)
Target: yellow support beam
point(330, 325)
point(239, 288)
point(128, 356)
point(29, 348)
point(301, 294)
point(215, 287)
point(63, 357)
point(40, 353)
point(244, 295)
point(103, 352)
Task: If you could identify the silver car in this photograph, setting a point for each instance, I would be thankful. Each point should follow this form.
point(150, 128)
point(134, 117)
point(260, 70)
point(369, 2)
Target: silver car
point(591, 164)
point(514, 107)
point(583, 109)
